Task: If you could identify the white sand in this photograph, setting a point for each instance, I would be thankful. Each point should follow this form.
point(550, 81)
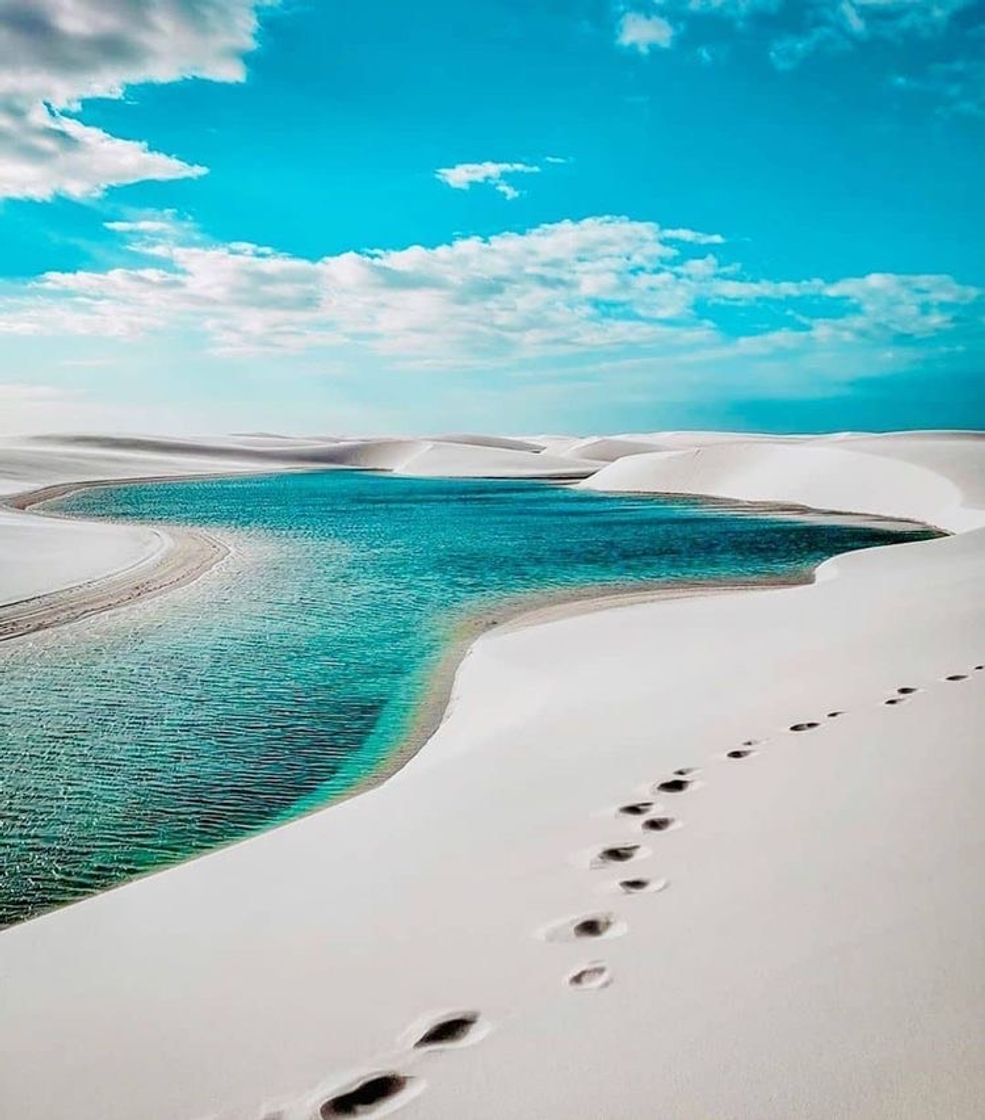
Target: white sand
point(817, 950)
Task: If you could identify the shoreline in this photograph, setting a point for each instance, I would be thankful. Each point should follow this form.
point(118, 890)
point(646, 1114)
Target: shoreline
point(433, 707)
point(779, 913)
point(187, 553)
point(184, 555)
point(193, 553)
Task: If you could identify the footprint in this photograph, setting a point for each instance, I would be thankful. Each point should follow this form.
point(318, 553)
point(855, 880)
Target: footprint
point(590, 977)
point(674, 785)
point(618, 853)
point(750, 742)
point(831, 715)
point(685, 770)
point(588, 927)
point(739, 754)
point(907, 690)
point(365, 1097)
point(642, 886)
point(448, 1031)
point(978, 668)
point(809, 726)
point(658, 824)
point(596, 926)
point(957, 677)
point(636, 809)
point(893, 700)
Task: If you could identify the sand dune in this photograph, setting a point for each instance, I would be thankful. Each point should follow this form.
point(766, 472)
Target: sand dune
point(708, 857)
point(893, 476)
point(607, 449)
point(493, 441)
point(452, 460)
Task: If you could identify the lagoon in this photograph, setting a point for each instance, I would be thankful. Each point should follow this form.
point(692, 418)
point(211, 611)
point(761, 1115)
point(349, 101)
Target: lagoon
point(290, 674)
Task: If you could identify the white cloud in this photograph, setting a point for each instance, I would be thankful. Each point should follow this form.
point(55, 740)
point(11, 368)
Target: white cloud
point(144, 225)
point(643, 32)
point(43, 153)
point(56, 53)
point(570, 288)
point(693, 237)
point(465, 175)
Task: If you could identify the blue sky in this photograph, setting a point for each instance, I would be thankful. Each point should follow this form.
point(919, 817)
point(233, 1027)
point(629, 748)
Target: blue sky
point(523, 215)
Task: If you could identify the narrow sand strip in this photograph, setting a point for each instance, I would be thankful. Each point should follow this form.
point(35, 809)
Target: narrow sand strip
point(181, 556)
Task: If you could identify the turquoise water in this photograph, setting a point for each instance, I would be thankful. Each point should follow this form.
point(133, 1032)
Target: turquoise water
point(138, 738)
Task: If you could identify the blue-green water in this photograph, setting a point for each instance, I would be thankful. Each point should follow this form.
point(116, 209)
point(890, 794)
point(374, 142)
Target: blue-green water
point(282, 678)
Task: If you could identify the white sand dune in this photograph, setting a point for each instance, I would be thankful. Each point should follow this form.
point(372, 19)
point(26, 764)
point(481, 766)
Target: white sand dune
point(805, 940)
point(66, 552)
point(492, 441)
point(608, 449)
point(453, 460)
point(897, 476)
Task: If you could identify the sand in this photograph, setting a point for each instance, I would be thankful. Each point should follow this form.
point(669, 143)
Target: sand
point(804, 940)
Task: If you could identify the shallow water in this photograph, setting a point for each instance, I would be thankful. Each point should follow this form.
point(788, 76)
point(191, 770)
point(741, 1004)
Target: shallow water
point(281, 679)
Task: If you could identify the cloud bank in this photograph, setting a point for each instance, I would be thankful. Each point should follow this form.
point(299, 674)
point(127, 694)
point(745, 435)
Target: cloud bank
point(602, 285)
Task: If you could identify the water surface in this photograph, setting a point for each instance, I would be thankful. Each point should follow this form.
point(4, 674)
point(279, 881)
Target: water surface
point(284, 677)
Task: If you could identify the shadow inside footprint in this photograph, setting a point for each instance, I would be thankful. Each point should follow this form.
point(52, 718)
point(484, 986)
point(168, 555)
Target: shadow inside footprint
point(683, 771)
point(586, 927)
point(738, 754)
point(636, 809)
point(835, 715)
point(592, 976)
point(906, 690)
point(658, 824)
point(808, 726)
point(456, 1028)
point(618, 853)
point(957, 677)
point(640, 886)
point(893, 700)
point(596, 926)
point(674, 785)
point(365, 1097)
point(631, 886)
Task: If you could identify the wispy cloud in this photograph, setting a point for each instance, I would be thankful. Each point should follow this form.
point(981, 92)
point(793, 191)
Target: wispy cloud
point(56, 53)
point(569, 288)
point(957, 86)
point(791, 29)
point(465, 175)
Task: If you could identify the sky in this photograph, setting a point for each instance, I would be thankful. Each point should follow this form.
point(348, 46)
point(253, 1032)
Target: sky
point(338, 217)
